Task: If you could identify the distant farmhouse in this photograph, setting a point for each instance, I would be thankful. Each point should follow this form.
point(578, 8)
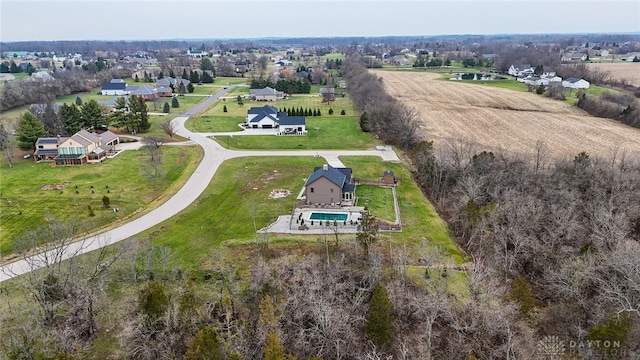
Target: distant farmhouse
point(268, 117)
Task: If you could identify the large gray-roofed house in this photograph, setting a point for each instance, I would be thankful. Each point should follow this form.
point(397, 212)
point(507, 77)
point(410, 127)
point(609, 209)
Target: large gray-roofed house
point(268, 117)
point(117, 88)
point(266, 94)
point(330, 186)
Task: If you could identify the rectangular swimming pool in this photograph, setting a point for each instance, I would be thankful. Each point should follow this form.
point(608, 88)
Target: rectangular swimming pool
point(328, 216)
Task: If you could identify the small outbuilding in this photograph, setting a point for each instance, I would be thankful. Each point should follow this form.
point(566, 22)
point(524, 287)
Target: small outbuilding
point(388, 178)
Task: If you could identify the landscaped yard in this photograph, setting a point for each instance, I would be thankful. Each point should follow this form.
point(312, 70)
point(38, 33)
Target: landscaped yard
point(224, 214)
point(379, 201)
point(419, 217)
point(323, 133)
point(52, 193)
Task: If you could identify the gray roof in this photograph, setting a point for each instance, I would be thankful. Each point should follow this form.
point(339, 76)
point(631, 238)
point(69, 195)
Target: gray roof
point(338, 176)
point(572, 80)
point(116, 81)
point(388, 172)
point(114, 86)
point(327, 90)
point(112, 102)
point(85, 138)
point(267, 108)
point(262, 116)
point(107, 136)
point(291, 120)
point(265, 91)
point(142, 90)
point(163, 89)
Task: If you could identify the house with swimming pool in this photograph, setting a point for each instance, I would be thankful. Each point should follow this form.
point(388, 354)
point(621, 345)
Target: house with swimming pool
point(330, 186)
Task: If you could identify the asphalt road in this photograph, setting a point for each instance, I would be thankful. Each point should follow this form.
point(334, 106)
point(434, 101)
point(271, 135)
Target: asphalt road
point(214, 155)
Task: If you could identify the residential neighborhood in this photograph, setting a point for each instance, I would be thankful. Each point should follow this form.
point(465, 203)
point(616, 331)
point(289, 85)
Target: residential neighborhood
point(457, 196)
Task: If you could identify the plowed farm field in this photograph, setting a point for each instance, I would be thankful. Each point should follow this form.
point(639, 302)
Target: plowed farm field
point(629, 71)
point(496, 118)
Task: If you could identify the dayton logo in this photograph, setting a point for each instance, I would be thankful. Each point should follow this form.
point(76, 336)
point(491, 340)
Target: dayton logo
point(550, 347)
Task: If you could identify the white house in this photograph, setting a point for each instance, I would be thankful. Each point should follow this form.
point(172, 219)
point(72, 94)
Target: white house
point(268, 117)
point(575, 83)
point(521, 70)
point(547, 72)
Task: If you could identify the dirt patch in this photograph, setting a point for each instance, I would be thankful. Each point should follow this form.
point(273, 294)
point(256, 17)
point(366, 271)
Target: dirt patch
point(262, 181)
point(181, 157)
point(53, 186)
point(504, 120)
point(279, 193)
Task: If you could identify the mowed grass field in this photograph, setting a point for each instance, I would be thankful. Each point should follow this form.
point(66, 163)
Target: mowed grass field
point(224, 214)
point(503, 119)
point(628, 71)
point(25, 202)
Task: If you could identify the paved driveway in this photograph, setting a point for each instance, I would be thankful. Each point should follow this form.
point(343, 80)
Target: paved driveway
point(214, 156)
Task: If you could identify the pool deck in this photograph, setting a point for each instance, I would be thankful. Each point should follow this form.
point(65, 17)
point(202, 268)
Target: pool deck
point(285, 224)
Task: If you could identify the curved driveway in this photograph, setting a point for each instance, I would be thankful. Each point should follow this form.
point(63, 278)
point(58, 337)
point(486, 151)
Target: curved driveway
point(214, 155)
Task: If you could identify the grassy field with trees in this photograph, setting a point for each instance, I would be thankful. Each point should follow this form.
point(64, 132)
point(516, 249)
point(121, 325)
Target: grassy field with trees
point(60, 193)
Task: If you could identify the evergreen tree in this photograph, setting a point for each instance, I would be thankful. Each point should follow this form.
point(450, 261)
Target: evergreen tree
point(153, 300)
point(171, 74)
point(273, 350)
point(521, 293)
point(367, 233)
point(28, 132)
point(30, 69)
point(615, 330)
point(379, 325)
point(224, 108)
point(206, 78)
point(194, 77)
point(91, 113)
point(364, 122)
point(184, 74)
point(174, 102)
point(181, 88)
point(330, 111)
point(13, 68)
point(78, 101)
point(4, 68)
point(343, 112)
point(319, 113)
point(160, 75)
point(71, 117)
point(136, 78)
point(205, 345)
point(190, 88)
point(166, 107)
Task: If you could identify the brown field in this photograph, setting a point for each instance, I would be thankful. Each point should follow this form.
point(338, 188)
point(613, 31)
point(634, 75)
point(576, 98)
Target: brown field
point(496, 118)
point(629, 71)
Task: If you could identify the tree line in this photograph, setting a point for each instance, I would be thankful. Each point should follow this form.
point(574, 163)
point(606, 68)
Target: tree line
point(289, 86)
point(24, 92)
point(556, 239)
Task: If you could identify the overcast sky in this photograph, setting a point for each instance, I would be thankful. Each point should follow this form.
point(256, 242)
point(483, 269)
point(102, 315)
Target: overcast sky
point(213, 19)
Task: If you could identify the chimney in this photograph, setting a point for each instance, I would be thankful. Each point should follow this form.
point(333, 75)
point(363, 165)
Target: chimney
point(325, 167)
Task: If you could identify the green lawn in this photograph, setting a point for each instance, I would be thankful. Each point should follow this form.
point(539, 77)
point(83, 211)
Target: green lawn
point(215, 123)
point(419, 217)
point(333, 133)
point(223, 215)
point(378, 200)
point(224, 212)
point(25, 205)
